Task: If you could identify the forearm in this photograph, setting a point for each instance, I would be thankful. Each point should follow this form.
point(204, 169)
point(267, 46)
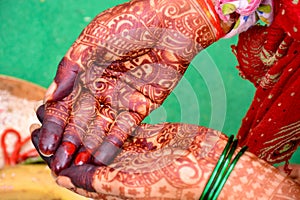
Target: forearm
point(254, 178)
point(131, 29)
point(160, 164)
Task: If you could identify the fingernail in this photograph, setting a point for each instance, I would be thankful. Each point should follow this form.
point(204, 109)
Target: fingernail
point(65, 182)
point(50, 138)
point(50, 91)
point(63, 157)
point(34, 127)
point(46, 155)
point(82, 158)
point(37, 105)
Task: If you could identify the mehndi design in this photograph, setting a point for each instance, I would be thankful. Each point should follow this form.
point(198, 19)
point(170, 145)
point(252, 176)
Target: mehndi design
point(174, 161)
point(122, 66)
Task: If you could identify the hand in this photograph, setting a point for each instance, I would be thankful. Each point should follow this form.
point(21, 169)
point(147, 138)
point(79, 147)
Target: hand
point(294, 170)
point(174, 161)
point(123, 65)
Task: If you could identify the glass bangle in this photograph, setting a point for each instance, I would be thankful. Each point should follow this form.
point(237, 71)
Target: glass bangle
point(222, 170)
point(217, 168)
point(232, 165)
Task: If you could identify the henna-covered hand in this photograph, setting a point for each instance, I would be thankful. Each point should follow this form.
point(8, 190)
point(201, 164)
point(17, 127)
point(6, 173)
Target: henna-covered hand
point(174, 161)
point(122, 66)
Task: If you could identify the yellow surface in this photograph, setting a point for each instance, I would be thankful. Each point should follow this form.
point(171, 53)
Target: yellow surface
point(32, 182)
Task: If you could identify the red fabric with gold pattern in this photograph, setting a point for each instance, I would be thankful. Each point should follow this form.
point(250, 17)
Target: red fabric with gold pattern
point(288, 17)
point(270, 60)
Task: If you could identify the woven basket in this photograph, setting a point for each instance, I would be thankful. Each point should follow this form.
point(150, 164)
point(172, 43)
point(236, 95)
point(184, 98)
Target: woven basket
point(21, 88)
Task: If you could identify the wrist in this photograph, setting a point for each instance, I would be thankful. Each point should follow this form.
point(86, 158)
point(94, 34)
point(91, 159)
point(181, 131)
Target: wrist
point(220, 27)
point(255, 178)
point(188, 26)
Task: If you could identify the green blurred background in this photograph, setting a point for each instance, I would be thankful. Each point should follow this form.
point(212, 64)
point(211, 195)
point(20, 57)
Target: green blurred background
point(35, 35)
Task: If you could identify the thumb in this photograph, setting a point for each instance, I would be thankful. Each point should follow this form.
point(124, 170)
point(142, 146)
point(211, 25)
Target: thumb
point(64, 80)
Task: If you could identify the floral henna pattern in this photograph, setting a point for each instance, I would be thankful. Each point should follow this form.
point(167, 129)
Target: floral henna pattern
point(151, 170)
point(122, 66)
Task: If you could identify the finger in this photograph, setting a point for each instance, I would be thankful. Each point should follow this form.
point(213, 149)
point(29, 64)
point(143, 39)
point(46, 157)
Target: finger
point(40, 113)
point(84, 156)
point(63, 156)
point(97, 131)
point(81, 117)
point(107, 152)
point(65, 152)
point(55, 118)
point(51, 134)
point(81, 176)
point(134, 107)
point(122, 127)
point(64, 80)
point(35, 136)
point(99, 128)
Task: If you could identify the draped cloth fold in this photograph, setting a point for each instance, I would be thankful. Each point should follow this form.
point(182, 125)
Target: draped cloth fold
point(269, 58)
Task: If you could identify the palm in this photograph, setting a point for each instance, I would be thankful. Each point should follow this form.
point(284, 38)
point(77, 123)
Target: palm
point(173, 161)
point(118, 70)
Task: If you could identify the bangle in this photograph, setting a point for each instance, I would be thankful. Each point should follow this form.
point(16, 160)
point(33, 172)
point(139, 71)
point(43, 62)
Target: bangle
point(217, 168)
point(222, 170)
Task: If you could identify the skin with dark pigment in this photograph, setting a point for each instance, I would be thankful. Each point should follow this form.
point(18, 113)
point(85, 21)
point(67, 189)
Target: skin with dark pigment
point(122, 67)
point(174, 161)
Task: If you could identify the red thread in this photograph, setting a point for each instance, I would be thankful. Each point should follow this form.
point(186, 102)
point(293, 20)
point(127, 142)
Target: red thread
point(16, 157)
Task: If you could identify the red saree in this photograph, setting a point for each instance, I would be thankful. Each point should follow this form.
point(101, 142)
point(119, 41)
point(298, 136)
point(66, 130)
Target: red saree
point(269, 58)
